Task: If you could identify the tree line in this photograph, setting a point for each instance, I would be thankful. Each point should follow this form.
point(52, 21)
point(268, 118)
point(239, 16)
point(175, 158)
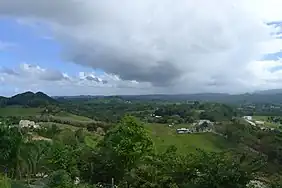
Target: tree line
point(126, 154)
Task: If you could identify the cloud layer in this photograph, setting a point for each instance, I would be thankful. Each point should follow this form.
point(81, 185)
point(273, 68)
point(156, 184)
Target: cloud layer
point(167, 46)
point(36, 78)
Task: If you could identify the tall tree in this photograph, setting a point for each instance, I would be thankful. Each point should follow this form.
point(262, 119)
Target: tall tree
point(11, 140)
point(120, 150)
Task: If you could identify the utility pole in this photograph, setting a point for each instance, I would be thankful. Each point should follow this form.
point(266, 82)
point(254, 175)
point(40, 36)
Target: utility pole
point(113, 183)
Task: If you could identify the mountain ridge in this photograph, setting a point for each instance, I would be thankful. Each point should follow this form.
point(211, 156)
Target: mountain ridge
point(39, 99)
point(28, 99)
point(262, 97)
point(269, 91)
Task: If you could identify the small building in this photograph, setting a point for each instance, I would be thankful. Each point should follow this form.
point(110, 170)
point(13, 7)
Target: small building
point(171, 125)
point(183, 131)
point(248, 118)
point(202, 121)
point(28, 124)
point(259, 122)
point(154, 115)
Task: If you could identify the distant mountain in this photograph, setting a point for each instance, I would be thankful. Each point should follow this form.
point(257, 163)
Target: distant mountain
point(28, 99)
point(41, 99)
point(270, 91)
point(76, 97)
point(209, 97)
point(177, 97)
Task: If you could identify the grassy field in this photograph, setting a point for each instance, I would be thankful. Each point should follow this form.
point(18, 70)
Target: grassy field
point(178, 126)
point(19, 111)
point(60, 125)
point(267, 124)
point(69, 116)
point(260, 118)
point(164, 136)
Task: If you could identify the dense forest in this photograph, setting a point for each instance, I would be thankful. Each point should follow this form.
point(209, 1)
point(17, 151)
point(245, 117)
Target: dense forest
point(267, 96)
point(118, 142)
point(28, 99)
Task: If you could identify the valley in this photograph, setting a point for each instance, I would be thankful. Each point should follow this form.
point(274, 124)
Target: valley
point(70, 134)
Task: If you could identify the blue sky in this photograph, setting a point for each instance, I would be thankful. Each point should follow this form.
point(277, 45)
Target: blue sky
point(71, 47)
point(33, 46)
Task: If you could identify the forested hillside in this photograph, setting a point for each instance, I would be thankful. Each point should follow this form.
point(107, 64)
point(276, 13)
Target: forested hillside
point(105, 141)
point(28, 99)
point(260, 97)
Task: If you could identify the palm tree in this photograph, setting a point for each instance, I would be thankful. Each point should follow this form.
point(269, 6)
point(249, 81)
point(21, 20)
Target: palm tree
point(32, 158)
point(19, 156)
point(11, 141)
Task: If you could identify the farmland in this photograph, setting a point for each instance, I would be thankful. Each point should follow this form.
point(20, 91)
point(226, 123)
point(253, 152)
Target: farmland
point(164, 136)
point(267, 123)
point(19, 111)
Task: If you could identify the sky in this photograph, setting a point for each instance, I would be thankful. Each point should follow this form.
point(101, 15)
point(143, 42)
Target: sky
point(109, 47)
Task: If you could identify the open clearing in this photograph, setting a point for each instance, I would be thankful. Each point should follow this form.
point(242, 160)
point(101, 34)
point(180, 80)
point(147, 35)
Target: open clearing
point(260, 118)
point(69, 116)
point(266, 124)
point(59, 125)
point(164, 136)
point(19, 111)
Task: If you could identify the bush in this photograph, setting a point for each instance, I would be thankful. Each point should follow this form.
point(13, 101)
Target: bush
point(5, 182)
point(60, 179)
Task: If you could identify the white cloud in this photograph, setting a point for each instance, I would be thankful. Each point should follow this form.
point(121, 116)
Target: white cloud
point(264, 74)
point(164, 45)
point(8, 71)
point(35, 78)
point(2, 79)
point(6, 45)
point(36, 72)
point(267, 10)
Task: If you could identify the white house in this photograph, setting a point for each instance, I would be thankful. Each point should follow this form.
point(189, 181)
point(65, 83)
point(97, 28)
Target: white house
point(170, 125)
point(28, 124)
point(183, 131)
point(205, 121)
point(248, 118)
point(259, 122)
point(153, 115)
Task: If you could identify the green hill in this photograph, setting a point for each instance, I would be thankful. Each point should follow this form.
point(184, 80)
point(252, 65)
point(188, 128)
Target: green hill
point(3, 101)
point(164, 136)
point(28, 99)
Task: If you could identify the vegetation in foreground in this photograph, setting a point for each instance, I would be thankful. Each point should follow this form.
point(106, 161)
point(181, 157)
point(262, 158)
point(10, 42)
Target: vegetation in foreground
point(126, 153)
point(87, 143)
